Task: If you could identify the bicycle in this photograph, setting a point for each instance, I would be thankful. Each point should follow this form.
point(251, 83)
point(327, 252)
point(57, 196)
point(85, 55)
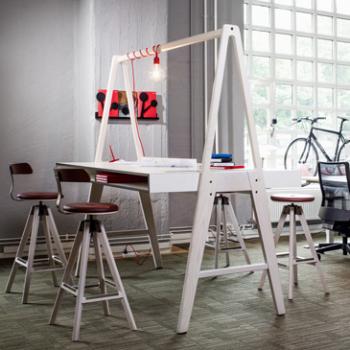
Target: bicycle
point(302, 151)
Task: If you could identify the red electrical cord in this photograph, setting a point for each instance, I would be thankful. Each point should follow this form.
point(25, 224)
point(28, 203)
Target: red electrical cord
point(136, 122)
point(132, 56)
point(139, 258)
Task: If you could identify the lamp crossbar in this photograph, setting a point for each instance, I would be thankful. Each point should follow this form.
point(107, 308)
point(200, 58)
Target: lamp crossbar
point(173, 45)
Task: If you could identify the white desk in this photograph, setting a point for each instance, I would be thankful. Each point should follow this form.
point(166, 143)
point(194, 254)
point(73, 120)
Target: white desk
point(167, 180)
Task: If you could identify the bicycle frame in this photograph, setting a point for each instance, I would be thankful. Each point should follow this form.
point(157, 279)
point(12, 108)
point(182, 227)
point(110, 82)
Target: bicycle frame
point(340, 141)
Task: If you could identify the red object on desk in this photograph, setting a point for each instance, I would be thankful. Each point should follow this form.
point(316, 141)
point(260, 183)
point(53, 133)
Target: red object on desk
point(109, 177)
point(228, 167)
point(114, 159)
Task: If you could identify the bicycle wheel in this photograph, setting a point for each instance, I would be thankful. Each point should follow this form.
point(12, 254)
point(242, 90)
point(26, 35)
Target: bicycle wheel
point(301, 154)
point(344, 152)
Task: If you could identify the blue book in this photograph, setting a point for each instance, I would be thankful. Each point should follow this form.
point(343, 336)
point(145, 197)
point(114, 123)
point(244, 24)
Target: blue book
point(221, 155)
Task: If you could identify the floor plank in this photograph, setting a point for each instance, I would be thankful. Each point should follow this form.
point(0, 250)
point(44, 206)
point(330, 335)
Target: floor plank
point(229, 313)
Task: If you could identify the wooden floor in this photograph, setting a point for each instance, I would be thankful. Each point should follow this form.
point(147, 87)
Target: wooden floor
point(229, 312)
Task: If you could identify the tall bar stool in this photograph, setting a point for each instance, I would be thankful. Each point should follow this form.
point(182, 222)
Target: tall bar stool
point(225, 235)
point(39, 214)
point(89, 228)
point(294, 210)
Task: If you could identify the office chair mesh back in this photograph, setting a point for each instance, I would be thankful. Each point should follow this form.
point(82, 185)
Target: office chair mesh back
point(334, 185)
point(334, 181)
point(335, 208)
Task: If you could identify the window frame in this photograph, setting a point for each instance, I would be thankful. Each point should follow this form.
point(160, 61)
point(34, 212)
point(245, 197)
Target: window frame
point(272, 106)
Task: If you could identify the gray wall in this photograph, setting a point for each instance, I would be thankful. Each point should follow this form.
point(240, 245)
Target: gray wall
point(36, 96)
point(179, 106)
point(120, 27)
point(54, 54)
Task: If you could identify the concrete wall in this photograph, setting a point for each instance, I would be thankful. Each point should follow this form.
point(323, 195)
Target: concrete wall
point(179, 106)
point(120, 27)
point(54, 55)
point(36, 96)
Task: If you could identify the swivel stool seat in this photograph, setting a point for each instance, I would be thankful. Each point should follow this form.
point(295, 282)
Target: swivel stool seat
point(89, 229)
point(293, 209)
point(39, 214)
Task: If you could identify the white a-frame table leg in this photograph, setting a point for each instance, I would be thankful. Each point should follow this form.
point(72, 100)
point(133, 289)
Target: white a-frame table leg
point(207, 183)
point(259, 197)
point(144, 196)
point(257, 184)
point(146, 203)
point(205, 198)
point(207, 189)
point(205, 203)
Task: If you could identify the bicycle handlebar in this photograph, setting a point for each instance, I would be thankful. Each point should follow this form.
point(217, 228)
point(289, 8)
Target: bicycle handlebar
point(343, 119)
point(309, 119)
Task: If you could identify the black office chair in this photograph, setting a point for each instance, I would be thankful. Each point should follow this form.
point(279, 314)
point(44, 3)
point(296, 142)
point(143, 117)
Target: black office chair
point(335, 208)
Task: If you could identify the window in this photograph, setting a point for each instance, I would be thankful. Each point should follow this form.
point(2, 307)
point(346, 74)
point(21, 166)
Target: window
point(298, 55)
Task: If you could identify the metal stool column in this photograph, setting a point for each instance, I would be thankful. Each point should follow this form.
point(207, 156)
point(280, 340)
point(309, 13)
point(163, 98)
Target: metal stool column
point(88, 229)
point(293, 211)
point(91, 228)
point(224, 215)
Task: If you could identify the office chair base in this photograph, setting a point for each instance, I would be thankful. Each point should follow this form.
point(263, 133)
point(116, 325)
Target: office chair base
point(327, 247)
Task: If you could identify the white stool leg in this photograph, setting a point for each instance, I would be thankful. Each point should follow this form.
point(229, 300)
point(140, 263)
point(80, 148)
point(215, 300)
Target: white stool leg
point(218, 231)
point(67, 274)
point(84, 255)
point(116, 277)
point(295, 251)
point(291, 252)
point(100, 272)
point(278, 232)
point(56, 237)
point(224, 224)
point(50, 252)
point(31, 254)
point(313, 250)
point(77, 266)
point(20, 250)
point(236, 228)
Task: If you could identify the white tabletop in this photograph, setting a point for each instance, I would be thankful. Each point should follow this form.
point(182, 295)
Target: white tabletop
point(170, 179)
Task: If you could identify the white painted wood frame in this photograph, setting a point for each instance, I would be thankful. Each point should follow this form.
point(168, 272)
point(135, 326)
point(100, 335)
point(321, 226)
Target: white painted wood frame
point(209, 183)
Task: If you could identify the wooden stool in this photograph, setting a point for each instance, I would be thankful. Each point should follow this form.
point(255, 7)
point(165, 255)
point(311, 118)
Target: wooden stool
point(292, 210)
point(39, 214)
point(88, 229)
point(224, 214)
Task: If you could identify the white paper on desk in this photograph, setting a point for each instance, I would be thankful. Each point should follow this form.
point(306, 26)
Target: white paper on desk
point(126, 162)
point(168, 162)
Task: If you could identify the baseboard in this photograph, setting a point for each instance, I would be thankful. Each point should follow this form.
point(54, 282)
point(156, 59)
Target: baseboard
point(131, 239)
point(137, 240)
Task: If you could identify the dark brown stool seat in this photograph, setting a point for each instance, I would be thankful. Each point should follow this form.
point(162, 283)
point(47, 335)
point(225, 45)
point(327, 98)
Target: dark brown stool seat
point(90, 208)
point(89, 229)
point(40, 196)
point(292, 197)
